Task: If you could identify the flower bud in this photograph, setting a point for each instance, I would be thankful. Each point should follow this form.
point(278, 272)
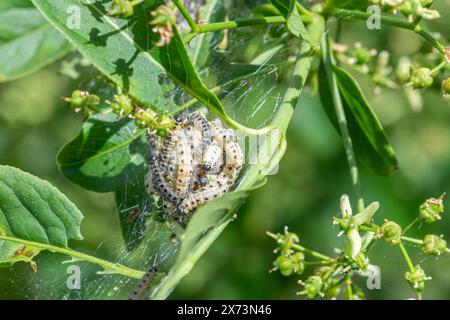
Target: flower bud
point(285, 265)
point(145, 118)
point(362, 261)
point(417, 278)
point(122, 105)
point(391, 232)
point(313, 286)
point(421, 78)
point(431, 209)
point(298, 260)
point(446, 86)
point(122, 8)
point(287, 240)
point(433, 244)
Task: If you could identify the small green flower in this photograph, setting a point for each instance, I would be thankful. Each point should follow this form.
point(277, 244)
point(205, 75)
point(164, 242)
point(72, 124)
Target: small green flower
point(431, 209)
point(122, 105)
point(433, 244)
point(446, 86)
point(362, 261)
point(421, 78)
point(285, 265)
point(312, 287)
point(417, 278)
point(286, 240)
point(391, 232)
point(122, 8)
point(145, 118)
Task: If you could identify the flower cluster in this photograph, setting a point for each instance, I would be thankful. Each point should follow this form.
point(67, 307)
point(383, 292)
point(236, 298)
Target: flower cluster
point(410, 8)
point(333, 276)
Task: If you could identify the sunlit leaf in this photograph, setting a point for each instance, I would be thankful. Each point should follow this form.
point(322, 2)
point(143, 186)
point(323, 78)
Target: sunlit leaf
point(32, 209)
point(27, 41)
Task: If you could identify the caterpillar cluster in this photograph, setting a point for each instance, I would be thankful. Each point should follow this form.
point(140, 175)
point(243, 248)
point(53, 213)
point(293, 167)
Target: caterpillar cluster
point(196, 162)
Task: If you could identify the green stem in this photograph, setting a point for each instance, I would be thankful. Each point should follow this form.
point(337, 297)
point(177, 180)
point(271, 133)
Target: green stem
point(217, 26)
point(417, 219)
point(318, 263)
point(106, 265)
point(412, 240)
point(328, 60)
point(179, 4)
point(390, 21)
point(348, 289)
point(406, 256)
point(438, 67)
point(300, 248)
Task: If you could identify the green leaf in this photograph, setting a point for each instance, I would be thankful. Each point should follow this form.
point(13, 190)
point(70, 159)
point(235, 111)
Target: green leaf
point(369, 139)
point(347, 4)
point(27, 41)
point(126, 51)
point(202, 230)
point(106, 153)
point(34, 210)
point(200, 47)
point(294, 22)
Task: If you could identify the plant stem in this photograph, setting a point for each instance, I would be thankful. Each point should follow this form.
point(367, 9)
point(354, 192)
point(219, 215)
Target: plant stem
point(406, 256)
point(417, 219)
point(179, 4)
point(438, 67)
point(318, 263)
point(300, 248)
point(217, 26)
point(412, 240)
point(106, 265)
point(328, 60)
point(390, 21)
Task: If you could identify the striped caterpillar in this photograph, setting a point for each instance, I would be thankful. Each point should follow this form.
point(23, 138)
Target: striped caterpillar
point(197, 162)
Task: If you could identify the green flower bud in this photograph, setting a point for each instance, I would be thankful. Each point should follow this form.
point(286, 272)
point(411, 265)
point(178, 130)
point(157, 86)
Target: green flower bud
point(92, 100)
point(421, 78)
point(77, 99)
point(285, 265)
point(433, 244)
point(402, 70)
point(431, 209)
point(417, 278)
point(332, 292)
point(406, 8)
point(122, 105)
point(446, 86)
point(287, 240)
point(162, 16)
point(145, 118)
point(162, 132)
point(298, 260)
point(313, 286)
point(362, 261)
point(391, 232)
point(122, 8)
point(362, 55)
point(165, 122)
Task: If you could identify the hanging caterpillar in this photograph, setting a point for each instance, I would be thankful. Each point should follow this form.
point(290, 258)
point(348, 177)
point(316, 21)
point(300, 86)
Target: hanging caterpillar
point(143, 284)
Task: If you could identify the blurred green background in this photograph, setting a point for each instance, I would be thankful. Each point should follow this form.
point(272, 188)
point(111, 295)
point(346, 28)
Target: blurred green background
point(304, 195)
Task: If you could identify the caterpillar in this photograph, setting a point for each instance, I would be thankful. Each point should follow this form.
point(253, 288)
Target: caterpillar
point(212, 190)
point(200, 123)
point(184, 165)
point(159, 183)
point(143, 284)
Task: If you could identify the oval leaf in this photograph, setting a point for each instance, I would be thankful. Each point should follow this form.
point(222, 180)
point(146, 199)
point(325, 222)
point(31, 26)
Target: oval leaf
point(27, 41)
point(369, 139)
point(106, 153)
point(34, 210)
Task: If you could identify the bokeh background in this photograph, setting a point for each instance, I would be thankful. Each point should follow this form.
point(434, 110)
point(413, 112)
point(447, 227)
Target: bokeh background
point(304, 195)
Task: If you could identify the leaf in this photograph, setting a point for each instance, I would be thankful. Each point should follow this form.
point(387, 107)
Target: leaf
point(34, 210)
point(126, 51)
point(27, 41)
point(105, 154)
point(200, 46)
point(347, 4)
point(369, 139)
point(294, 22)
point(203, 228)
